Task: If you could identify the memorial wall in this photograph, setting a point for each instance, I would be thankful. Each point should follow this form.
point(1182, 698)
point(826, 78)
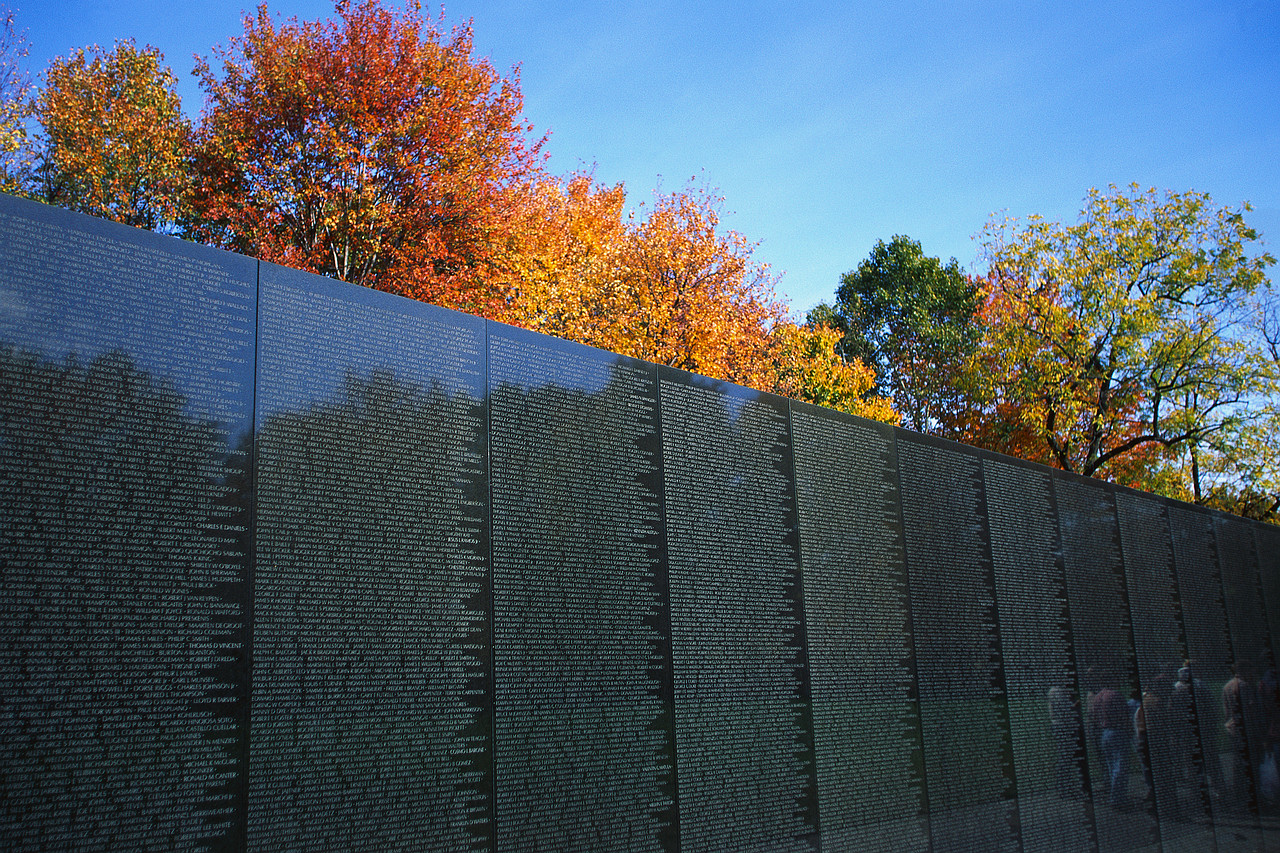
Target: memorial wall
point(292, 565)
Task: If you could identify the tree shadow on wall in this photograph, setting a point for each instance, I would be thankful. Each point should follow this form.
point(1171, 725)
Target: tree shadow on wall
point(123, 566)
point(370, 628)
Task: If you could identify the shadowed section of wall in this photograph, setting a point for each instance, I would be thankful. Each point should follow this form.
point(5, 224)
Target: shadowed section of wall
point(290, 564)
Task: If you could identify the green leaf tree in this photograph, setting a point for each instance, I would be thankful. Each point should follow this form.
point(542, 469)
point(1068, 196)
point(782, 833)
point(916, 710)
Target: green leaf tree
point(1126, 342)
point(912, 319)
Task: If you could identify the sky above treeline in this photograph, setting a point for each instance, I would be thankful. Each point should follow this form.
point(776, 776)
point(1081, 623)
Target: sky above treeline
point(828, 126)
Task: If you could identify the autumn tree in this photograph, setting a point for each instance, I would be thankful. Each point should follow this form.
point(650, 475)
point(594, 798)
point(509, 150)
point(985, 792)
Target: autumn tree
point(912, 319)
point(371, 147)
point(114, 140)
point(670, 285)
point(564, 256)
point(1268, 325)
point(1237, 469)
point(665, 282)
point(15, 89)
point(1123, 340)
point(809, 367)
point(690, 294)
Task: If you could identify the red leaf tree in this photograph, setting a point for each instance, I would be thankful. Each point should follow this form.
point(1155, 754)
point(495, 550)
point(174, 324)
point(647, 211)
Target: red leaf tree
point(371, 147)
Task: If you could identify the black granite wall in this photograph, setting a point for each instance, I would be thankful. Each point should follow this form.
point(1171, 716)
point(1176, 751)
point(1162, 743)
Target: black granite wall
point(292, 565)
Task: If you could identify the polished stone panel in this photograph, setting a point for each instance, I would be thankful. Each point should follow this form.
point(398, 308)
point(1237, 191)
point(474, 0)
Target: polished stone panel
point(1045, 708)
point(866, 713)
point(1267, 538)
point(964, 706)
point(1207, 670)
point(1166, 734)
point(584, 746)
point(1267, 544)
point(371, 706)
point(1102, 631)
point(1247, 722)
point(126, 392)
point(744, 736)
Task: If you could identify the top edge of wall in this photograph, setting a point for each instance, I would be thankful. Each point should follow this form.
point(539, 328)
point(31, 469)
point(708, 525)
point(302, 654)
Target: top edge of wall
point(61, 217)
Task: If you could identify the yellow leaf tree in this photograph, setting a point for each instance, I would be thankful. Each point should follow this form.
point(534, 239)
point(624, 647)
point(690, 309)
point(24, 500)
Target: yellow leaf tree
point(809, 367)
point(1120, 342)
point(671, 287)
point(114, 141)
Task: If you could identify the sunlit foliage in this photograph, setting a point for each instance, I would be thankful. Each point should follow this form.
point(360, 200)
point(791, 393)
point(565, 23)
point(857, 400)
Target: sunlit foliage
point(114, 139)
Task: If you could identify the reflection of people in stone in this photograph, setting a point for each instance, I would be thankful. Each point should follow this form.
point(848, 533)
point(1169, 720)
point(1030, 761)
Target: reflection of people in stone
point(1064, 720)
point(1239, 703)
point(1269, 709)
point(1188, 705)
point(1152, 724)
point(1269, 706)
point(1112, 726)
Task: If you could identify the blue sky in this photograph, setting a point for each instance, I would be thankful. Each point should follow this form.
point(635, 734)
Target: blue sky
point(828, 126)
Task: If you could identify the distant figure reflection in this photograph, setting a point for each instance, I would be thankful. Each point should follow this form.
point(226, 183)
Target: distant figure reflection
point(1269, 706)
point(1189, 704)
point(1064, 720)
point(1239, 704)
point(1154, 726)
point(1111, 725)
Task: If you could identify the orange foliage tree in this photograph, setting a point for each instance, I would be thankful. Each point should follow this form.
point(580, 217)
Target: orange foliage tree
point(371, 147)
point(691, 296)
point(671, 287)
point(114, 139)
point(563, 257)
point(809, 367)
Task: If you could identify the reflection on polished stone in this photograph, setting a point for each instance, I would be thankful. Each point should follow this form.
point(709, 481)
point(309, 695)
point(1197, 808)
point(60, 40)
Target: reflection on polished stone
point(369, 715)
point(866, 714)
point(583, 740)
point(964, 703)
point(126, 385)
point(744, 737)
point(290, 564)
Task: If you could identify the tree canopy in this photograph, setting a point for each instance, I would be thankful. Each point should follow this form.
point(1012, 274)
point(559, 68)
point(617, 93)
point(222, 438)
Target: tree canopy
point(810, 367)
point(911, 318)
point(371, 147)
point(15, 88)
point(1126, 342)
point(114, 139)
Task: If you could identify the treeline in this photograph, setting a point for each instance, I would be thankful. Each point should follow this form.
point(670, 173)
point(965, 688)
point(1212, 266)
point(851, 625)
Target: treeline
point(374, 147)
point(1139, 345)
